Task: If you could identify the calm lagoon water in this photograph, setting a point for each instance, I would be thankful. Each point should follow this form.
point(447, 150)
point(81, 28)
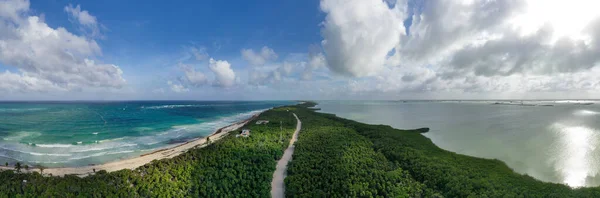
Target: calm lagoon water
point(558, 143)
point(59, 134)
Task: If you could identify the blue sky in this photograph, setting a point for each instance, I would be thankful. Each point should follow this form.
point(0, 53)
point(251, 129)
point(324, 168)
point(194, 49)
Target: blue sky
point(145, 38)
point(290, 49)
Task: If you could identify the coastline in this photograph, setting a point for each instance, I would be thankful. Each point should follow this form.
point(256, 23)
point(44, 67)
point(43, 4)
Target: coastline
point(143, 159)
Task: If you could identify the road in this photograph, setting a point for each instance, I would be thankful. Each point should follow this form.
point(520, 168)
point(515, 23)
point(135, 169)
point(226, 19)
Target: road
point(277, 185)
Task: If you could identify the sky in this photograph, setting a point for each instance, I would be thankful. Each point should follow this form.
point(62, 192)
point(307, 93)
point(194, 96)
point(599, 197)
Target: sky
point(290, 49)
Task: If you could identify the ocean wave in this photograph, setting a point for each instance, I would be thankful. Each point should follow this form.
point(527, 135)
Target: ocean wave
point(172, 106)
point(21, 109)
point(182, 106)
point(54, 145)
point(21, 135)
point(101, 154)
point(34, 153)
point(82, 150)
point(104, 147)
point(49, 154)
point(576, 101)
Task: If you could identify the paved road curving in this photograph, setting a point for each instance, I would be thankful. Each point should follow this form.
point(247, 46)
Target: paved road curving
point(277, 185)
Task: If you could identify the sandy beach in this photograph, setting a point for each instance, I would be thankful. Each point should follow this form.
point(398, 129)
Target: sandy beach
point(143, 159)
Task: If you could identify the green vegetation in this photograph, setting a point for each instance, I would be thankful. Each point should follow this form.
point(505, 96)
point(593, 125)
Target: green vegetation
point(336, 157)
point(231, 167)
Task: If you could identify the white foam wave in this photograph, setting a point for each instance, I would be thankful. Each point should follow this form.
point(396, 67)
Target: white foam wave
point(106, 147)
point(34, 153)
point(171, 106)
point(21, 109)
point(54, 145)
point(21, 135)
point(65, 153)
point(101, 154)
point(49, 154)
point(576, 101)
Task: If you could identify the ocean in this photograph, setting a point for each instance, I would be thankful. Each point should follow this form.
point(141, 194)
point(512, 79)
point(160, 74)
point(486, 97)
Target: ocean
point(553, 141)
point(70, 134)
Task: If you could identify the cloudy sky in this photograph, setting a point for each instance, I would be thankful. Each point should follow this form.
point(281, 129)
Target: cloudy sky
point(290, 49)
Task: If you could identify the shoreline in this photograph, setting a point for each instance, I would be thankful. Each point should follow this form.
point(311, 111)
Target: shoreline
point(143, 159)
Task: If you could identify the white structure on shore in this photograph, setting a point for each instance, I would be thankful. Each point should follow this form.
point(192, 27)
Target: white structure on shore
point(244, 133)
point(262, 122)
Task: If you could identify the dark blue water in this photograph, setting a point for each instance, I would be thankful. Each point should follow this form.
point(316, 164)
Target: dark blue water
point(56, 134)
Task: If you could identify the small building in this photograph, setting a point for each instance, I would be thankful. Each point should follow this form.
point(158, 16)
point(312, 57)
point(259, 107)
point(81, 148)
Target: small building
point(244, 133)
point(262, 122)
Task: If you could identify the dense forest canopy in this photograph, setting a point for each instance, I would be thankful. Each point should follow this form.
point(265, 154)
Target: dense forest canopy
point(231, 167)
point(334, 157)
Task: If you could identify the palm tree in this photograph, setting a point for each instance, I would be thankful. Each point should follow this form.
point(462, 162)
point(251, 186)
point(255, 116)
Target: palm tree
point(42, 170)
point(18, 167)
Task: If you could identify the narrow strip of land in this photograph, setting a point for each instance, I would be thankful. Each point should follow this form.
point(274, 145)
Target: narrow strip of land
point(277, 185)
point(136, 162)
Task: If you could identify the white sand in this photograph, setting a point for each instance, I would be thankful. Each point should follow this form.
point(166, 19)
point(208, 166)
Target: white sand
point(136, 162)
point(277, 185)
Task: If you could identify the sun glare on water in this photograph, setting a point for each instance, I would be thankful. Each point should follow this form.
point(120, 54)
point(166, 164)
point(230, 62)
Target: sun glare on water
point(575, 162)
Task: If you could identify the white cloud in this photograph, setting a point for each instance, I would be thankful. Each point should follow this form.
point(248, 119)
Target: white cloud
point(359, 34)
point(199, 53)
point(224, 75)
point(258, 59)
point(177, 88)
point(88, 22)
point(474, 46)
point(316, 60)
point(271, 76)
point(46, 57)
point(12, 10)
point(193, 77)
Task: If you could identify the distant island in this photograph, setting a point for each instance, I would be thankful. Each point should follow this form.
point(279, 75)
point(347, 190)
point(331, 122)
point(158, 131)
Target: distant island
point(334, 157)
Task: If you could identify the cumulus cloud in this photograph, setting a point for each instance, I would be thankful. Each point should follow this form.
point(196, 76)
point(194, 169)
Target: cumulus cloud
point(87, 21)
point(193, 77)
point(316, 60)
point(224, 75)
point(177, 88)
point(259, 58)
point(359, 34)
point(464, 46)
point(49, 58)
point(285, 69)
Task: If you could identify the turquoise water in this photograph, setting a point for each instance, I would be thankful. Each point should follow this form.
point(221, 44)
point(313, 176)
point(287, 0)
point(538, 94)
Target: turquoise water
point(63, 134)
point(554, 141)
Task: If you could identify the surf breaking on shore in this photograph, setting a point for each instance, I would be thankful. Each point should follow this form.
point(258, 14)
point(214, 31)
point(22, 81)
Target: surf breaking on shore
point(100, 151)
point(143, 159)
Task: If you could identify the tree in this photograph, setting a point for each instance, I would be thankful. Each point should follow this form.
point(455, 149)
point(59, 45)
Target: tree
point(6, 164)
point(42, 170)
point(18, 167)
point(26, 167)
